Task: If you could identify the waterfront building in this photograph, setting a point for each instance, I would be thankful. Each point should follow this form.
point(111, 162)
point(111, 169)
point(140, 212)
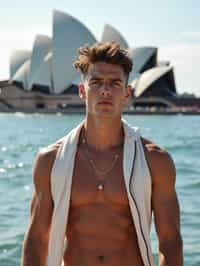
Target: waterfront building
point(44, 79)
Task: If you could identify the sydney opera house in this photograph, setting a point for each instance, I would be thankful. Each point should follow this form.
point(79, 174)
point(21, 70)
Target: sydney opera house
point(45, 80)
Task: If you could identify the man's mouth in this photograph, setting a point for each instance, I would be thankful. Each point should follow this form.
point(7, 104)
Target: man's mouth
point(106, 102)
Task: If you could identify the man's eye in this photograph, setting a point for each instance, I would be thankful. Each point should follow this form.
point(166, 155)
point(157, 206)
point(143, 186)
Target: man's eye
point(95, 82)
point(116, 83)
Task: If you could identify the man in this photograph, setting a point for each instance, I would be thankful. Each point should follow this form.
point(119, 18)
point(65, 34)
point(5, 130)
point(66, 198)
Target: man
point(97, 187)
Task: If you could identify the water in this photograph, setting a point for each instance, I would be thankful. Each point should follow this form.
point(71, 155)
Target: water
point(21, 136)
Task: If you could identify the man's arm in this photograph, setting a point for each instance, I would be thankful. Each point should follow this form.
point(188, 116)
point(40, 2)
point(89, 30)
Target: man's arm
point(165, 206)
point(35, 247)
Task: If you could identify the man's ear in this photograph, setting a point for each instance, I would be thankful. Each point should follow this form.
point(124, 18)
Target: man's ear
point(127, 94)
point(81, 91)
point(129, 91)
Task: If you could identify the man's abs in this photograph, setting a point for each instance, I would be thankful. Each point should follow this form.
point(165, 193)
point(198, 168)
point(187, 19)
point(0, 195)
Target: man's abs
point(101, 235)
point(124, 256)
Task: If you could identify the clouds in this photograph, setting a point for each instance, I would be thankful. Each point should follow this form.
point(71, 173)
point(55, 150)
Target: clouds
point(186, 61)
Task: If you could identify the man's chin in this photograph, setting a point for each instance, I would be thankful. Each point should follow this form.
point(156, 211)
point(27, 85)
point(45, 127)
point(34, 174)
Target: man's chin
point(105, 108)
point(105, 113)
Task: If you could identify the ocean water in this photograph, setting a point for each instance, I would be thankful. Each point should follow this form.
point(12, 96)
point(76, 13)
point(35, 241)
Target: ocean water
point(21, 136)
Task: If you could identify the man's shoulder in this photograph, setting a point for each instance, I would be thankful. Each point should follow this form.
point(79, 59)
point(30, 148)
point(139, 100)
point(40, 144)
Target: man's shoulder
point(49, 151)
point(154, 151)
point(159, 160)
point(44, 159)
point(152, 148)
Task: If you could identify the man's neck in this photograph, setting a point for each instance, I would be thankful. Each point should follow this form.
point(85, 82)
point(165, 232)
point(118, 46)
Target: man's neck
point(103, 135)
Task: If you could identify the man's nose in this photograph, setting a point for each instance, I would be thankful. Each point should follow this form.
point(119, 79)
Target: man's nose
point(106, 89)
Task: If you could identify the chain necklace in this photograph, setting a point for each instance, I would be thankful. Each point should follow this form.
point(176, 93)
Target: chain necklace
point(105, 172)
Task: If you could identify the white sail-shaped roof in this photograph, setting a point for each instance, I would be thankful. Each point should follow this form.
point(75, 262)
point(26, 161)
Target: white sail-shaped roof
point(148, 77)
point(17, 59)
point(42, 46)
point(111, 34)
point(140, 57)
point(22, 74)
point(68, 35)
point(43, 75)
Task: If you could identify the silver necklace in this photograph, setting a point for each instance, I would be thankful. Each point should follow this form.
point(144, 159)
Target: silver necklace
point(100, 183)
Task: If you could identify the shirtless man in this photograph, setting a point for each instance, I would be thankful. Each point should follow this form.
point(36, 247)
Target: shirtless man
point(100, 228)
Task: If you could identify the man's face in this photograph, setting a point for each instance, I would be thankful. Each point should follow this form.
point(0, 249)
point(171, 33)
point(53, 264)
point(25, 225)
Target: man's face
point(104, 90)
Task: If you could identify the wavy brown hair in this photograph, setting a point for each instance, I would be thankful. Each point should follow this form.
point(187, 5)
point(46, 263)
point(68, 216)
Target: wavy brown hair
point(108, 52)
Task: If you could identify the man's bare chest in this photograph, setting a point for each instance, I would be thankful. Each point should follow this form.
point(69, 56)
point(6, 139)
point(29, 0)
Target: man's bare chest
point(88, 186)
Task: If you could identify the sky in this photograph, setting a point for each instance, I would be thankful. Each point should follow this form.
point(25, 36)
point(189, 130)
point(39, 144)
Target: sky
point(172, 26)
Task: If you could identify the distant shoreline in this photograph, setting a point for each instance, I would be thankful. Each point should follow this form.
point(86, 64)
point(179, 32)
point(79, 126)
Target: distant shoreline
point(13, 99)
point(82, 111)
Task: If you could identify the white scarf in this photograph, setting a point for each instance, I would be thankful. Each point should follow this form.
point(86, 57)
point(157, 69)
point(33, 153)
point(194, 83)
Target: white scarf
point(138, 186)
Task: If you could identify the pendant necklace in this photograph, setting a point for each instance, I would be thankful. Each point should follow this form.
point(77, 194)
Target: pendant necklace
point(104, 172)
